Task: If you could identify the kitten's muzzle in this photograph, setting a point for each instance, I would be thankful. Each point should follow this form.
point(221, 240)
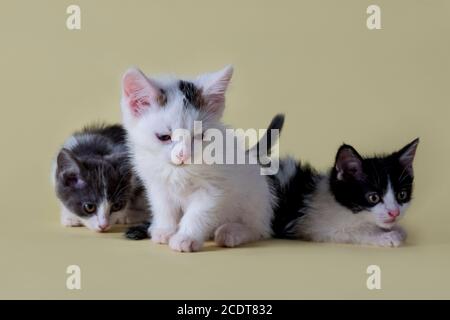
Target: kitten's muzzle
point(394, 213)
point(103, 227)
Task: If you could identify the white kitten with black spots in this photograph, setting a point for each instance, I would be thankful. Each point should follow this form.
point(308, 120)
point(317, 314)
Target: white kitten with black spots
point(360, 200)
point(191, 202)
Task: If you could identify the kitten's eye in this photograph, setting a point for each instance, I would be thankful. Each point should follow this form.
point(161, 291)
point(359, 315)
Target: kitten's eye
point(402, 195)
point(89, 208)
point(164, 137)
point(373, 198)
point(117, 206)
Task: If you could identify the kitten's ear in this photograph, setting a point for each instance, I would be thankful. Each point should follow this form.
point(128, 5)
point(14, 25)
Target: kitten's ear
point(214, 85)
point(406, 155)
point(69, 169)
point(348, 163)
point(139, 92)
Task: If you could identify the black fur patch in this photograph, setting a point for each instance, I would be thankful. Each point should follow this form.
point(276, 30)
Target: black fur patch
point(265, 145)
point(292, 196)
point(138, 232)
point(192, 94)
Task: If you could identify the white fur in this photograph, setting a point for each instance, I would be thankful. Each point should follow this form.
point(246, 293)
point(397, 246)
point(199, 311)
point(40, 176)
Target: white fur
point(69, 219)
point(102, 218)
point(328, 221)
point(192, 203)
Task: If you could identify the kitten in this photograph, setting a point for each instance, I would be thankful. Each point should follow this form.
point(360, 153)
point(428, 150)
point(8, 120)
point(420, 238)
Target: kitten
point(262, 148)
point(360, 200)
point(191, 202)
point(94, 181)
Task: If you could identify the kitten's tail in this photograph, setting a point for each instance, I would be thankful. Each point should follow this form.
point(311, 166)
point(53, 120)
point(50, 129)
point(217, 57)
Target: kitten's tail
point(265, 144)
point(138, 232)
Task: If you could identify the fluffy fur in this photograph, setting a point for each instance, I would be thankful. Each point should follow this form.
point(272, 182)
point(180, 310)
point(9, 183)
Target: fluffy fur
point(191, 202)
point(94, 182)
point(262, 149)
point(360, 200)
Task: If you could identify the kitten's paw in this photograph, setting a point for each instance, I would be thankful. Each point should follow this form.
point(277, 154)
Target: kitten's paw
point(231, 235)
point(183, 243)
point(70, 222)
point(392, 238)
point(161, 236)
point(138, 232)
point(401, 231)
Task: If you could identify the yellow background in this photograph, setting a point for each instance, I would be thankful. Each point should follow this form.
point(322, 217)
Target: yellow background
point(314, 60)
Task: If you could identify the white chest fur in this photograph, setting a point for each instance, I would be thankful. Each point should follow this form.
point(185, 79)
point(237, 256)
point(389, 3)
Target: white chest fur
point(327, 220)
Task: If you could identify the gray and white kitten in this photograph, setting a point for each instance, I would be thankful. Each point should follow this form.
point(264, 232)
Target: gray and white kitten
point(94, 181)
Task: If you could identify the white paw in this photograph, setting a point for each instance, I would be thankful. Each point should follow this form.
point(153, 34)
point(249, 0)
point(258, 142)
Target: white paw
point(230, 240)
point(231, 235)
point(392, 238)
point(401, 231)
point(161, 236)
point(71, 222)
point(183, 243)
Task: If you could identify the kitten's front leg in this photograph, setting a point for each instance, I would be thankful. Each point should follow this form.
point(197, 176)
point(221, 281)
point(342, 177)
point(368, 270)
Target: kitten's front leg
point(197, 223)
point(68, 219)
point(165, 216)
point(391, 238)
point(401, 231)
point(385, 238)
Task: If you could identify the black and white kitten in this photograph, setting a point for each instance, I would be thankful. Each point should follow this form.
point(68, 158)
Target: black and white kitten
point(94, 180)
point(360, 200)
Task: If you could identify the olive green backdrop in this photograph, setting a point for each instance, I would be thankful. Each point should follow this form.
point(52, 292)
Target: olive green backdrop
point(316, 61)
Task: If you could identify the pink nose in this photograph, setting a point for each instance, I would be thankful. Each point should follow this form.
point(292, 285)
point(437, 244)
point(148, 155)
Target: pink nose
point(103, 227)
point(394, 213)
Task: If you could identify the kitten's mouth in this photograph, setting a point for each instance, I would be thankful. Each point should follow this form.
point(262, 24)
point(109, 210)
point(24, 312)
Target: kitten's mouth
point(390, 221)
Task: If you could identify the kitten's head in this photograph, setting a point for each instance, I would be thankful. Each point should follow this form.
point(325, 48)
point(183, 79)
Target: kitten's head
point(381, 186)
point(94, 188)
point(154, 111)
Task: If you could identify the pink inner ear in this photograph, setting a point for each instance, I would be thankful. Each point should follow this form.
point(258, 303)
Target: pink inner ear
point(349, 163)
point(138, 105)
point(353, 167)
point(138, 91)
point(214, 86)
